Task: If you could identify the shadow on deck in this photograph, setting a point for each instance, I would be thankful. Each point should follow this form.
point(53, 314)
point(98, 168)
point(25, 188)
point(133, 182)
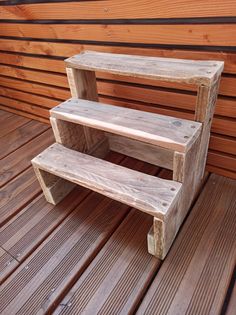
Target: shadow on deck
point(89, 254)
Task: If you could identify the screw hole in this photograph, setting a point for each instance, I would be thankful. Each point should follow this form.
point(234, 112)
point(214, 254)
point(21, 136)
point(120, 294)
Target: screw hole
point(209, 72)
point(193, 127)
point(186, 137)
point(172, 189)
point(164, 204)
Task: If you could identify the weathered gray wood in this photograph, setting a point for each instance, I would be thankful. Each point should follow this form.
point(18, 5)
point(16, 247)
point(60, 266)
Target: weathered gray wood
point(166, 69)
point(83, 85)
point(205, 106)
point(142, 151)
point(54, 187)
point(149, 194)
point(164, 131)
point(72, 136)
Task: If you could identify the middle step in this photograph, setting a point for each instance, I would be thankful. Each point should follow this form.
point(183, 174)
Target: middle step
point(167, 132)
point(153, 195)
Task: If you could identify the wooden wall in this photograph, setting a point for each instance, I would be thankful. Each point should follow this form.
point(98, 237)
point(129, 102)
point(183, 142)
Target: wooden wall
point(35, 37)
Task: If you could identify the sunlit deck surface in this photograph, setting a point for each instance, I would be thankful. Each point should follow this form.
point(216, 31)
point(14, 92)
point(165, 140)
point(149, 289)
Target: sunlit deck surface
point(88, 255)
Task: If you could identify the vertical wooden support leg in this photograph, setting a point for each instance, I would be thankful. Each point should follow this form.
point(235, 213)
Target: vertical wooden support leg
point(54, 188)
point(206, 100)
point(188, 168)
point(83, 85)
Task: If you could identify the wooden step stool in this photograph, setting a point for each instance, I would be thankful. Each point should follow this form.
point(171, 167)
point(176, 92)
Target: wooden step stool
point(86, 130)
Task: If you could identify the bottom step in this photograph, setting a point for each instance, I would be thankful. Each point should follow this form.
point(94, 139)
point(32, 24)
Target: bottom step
point(149, 194)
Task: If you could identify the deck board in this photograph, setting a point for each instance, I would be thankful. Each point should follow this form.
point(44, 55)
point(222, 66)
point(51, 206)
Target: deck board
point(195, 276)
point(18, 137)
point(16, 162)
point(90, 253)
point(65, 253)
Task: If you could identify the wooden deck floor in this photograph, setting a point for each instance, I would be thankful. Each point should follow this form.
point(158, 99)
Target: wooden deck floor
point(88, 255)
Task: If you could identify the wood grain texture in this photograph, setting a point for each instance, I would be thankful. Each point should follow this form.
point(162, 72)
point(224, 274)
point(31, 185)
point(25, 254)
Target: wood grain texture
point(180, 34)
point(69, 49)
point(65, 253)
point(17, 193)
point(19, 160)
point(20, 136)
point(12, 123)
point(163, 131)
point(7, 263)
point(149, 194)
point(117, 288)
point(209, 26)
point(142, 151)
point(174, 70)
point(119, 10)
point(232, 302)
point(195, 276)
point(83, 86)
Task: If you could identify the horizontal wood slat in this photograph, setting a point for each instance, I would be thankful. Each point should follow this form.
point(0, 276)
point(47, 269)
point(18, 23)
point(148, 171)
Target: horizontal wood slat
point(203, 34)
point(123, 9)
point(70, 49)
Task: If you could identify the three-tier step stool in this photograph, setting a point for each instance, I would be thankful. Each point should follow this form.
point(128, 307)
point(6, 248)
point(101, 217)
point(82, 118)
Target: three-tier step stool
point(85, 130)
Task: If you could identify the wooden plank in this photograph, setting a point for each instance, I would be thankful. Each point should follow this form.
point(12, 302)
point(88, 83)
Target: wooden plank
point(83, 85)
point(7, 262)
point(65, 254)
point(19, 160)
point(41, 89)
point(216, 159)
point(11, 123)
point(173, 70)
point(142, 151)
point(26, 230)
point(24, 114)
point(123, 10)
point(5, 115)
point(20, 136)
point(195, 276)
point(223, 144)
point(232, 302)
point(180, 34)
point(17, 193)
point(146, 193)
point(29, 97)
point(117, 288)
point(225, 106)
point(9, 102)
point(70, 49)
point(221, 171)
point(163, 131)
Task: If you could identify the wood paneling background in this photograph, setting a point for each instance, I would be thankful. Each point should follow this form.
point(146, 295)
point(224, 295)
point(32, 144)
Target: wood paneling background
point(35, 37)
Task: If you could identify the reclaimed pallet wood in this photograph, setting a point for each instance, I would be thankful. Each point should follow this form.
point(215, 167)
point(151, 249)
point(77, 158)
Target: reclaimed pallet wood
point(163, 131)
point(174, 70)
point(188, 140)
point(149, 194)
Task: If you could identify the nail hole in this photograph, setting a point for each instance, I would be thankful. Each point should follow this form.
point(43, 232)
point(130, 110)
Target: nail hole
point(172, 189)
point(164, 204)
point(193, 127)
point(208, 72)
point(186, 137)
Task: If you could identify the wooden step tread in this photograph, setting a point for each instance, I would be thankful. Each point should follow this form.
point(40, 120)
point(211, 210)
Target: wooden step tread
point(164, 131)
point(166, 69)
point(149, 194)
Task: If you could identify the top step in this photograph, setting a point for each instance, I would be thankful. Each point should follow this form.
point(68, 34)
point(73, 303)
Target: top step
point(165, 69)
